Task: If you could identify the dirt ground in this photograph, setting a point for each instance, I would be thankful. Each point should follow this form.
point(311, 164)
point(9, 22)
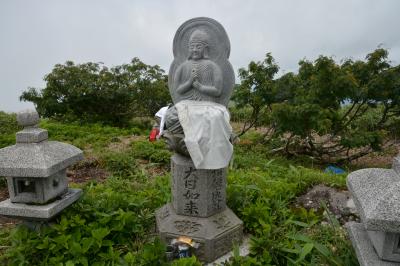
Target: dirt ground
point(377, 159)
point(87, 170)
point(338, 202)
point(123, 143)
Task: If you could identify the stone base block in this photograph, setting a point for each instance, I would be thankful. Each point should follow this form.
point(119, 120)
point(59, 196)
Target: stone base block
point(197, 192)
point(363, 246)
point(32, 135)
point(396, 164)
point(216, 234)
point(386, 245)
point(39, 212)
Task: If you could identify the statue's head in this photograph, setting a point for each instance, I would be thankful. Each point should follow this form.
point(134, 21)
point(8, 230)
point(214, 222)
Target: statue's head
point(198, 45)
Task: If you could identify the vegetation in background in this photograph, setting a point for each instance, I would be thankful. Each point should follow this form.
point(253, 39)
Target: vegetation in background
point(91, 92)
point(8, 123)
point(8, 127)
point(333, 112)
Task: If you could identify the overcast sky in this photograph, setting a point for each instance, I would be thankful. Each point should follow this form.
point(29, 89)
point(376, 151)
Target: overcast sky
point(36, 35)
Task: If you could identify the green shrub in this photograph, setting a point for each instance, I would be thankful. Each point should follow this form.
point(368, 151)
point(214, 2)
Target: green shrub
point(96, 136)
point(334, 112)
point(113, 223)
point(91, 92)
point(110, 224)
point(155, 152)
point(7, 140)
point(8, 123)
point(192, 261)
point(262, 198)
point(8, 128)
point(120, 164)
point(143, 123)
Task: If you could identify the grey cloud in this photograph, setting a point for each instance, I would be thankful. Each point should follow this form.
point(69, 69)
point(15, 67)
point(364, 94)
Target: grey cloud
point(36, 35)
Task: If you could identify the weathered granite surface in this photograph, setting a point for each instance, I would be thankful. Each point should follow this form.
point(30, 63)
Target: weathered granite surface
point(208, 63)
point(362, 244)
point(396, 164)
point(386, 245)
point(39, 212)
point(32, 135)
point(197, 192)
point(41, 190)
point(216, 234)
point(376, 194)
point(37, 160)
point(34, 156)
point(28, 118)
point(200, 71)
point(35, 167)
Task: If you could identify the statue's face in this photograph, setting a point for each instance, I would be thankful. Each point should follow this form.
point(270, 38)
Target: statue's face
point(196, 50)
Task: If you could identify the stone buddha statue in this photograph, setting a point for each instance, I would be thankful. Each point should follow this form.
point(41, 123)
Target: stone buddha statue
point(200, 81)
point(197, 129)
point(198, 78)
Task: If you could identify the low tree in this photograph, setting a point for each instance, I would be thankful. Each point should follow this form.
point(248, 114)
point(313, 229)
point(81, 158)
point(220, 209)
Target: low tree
point(256, 91)
point(91, 92)
point(328, 110)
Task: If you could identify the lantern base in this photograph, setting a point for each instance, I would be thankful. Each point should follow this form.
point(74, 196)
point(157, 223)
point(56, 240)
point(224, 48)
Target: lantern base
point(39, 212)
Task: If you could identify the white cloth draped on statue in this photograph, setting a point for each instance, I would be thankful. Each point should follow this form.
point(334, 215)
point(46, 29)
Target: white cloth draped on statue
point(161, 114)
point(207, 133)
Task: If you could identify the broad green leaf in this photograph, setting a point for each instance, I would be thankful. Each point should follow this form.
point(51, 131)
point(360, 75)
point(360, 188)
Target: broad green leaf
point(306, 250)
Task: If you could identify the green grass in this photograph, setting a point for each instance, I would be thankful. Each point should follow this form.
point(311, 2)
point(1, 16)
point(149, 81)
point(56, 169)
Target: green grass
point(81, 135)
point(113, 223)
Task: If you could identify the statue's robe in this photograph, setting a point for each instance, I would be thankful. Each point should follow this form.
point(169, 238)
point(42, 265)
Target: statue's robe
point(209, 74)
point(204, 122)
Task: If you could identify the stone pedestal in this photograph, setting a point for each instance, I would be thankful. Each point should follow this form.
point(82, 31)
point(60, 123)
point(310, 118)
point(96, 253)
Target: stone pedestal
point(31, 212)
point(197, 193)
point(216, 234)
point(198, 210)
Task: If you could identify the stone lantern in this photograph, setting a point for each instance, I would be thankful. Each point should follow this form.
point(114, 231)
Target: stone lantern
point(376, 194)
point(35, 169)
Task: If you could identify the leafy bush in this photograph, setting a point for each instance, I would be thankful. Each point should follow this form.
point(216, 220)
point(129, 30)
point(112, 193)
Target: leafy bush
point(8, 128)
point(334, 112)
point(7, 140)
point(120, 164)
point(110, 224)
point(8, 123)
point(282, 234)
point(93, 93)
point(113, 223)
